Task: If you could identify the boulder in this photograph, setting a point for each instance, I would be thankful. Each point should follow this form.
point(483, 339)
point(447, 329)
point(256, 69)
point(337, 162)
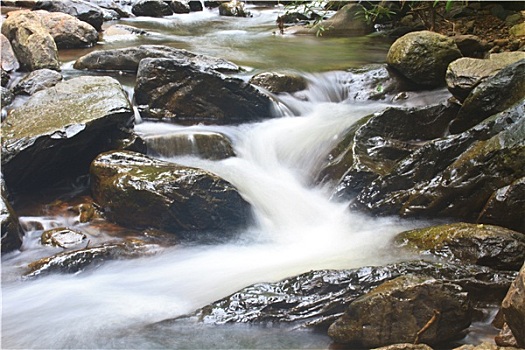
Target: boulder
point(62, 237)
point(518, 30)
point(208, 145)
point(195, 5)
point(486, 345)
point(185, 93)
point(318, 298)
point(423, 57)
point(279, 82)
point(37, 80)
point(492, 96)
point(487, 245)
point(128, 59)
point(406, 309)
point(505, 339)
point(5, 78)
point(506, 206)
point(123, 30)
point(137, 191)
point(11, 231)
point(233, 8)
point(68, 31)
point(60, 130)
point(405, 346)
point(7, 97)
point(113, 9)
point(8, 58)
point(513, 307)
point(179, 7)
point(83, 10)
point(33, 45)
point(471, 45)
point(152, 8)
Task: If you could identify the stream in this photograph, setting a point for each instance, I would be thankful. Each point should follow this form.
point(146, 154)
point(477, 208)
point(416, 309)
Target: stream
point(296, 227)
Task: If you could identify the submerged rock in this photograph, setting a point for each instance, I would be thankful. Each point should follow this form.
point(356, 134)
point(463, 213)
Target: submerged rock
point(83, 10)
point(398, 311)
point(37, 80)
point(513, 307)
point(128, 59)
point(62, 237)
point(279, 82)
point(137, 191)
point(68, 31)
point(60, 130)
point(423, 57)
point(487, 245)
point(185, 93)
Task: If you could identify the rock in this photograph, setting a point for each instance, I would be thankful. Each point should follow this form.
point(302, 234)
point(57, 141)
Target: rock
point(33, 45)
point(233, 8)
point(179, 7)
point(185, 93)
point(505, 207)
point(9, 61)
point(5, 78)
point(453, 176)
point(317, 298)
point(123, 30)
point(137, 191)
point(37, 80)
point(152, 8)
point(492, 96)
point(505, 338)
point(486, 245)
point(68, 31)
point(128, 59)
point(484, 346)
point(208, 145)
point(77, 261)
point(405, 346)
point(397, 311)
point(518, 30)
point(11, 231)
point(374, 145)
point(83, 10)
point(114, 9)
point(60, 130)
point(279, 82)
point(62, 237)
point(471, 45)
point(513, 307)
point(195, 5)
point(7, 97)
point(423, 57)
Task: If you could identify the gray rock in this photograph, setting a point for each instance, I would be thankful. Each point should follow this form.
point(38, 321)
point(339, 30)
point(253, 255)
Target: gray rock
point(37, 80)
point(62, 237)
point(68, 31)
point(279, 82)
point(7, 97)
point(185, 93)
point(60, 130)
point(513, 307)
point(152, 8)
point(83, 10)
point(8, 57)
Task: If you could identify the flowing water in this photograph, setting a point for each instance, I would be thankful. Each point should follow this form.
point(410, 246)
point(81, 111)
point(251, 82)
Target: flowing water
point(296, 227)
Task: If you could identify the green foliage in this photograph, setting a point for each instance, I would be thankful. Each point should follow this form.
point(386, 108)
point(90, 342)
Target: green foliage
point(374, 12)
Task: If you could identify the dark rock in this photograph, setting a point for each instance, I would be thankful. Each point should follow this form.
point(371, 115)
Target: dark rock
point(233, 9)
point(10, 227)
point(506, 207)
point(152, 8)
point(492, 96)
point(318, 298)
point(5, 78)
point(397, 310)
point(208, 145)
point(60, 130)
point(62, 237)
point(33, 45)
point(373, 146)
point(8, 57)
point(279, 82)
point(423, 57)
point(113, 7)
point(37, 80)
point(513, 307)
point(68, 31)
point(81, 9)
point(195, 5)
point(139, 192)
point(128, 59)
point(471, 46)
point(179, 7)
point(7, 97)
point(486, 245)
point(89, 258)
point(185, 93)
point(453, 176)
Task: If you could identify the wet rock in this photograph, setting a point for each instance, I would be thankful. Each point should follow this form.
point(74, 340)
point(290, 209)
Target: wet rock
point(123, 30)
point(114, 9)
point(506, 206)
point(152, 8)
point(279, 82)
point(423, 57)
point(83, 10)
point(5, 78)
point(405, 346)
point(233, 9)
point(318, 298)
point(11, 231)
point(137, 191)
point(484, 346)
point(471, 45)
point(492, 96)
point(33, 45)
point(465, 169)
point(513, 307)
point(37, 80)
point(505, 339)
point(81, 260)
point(486, 245)
point(398, 311)
point(62, 237)
point(374, 145)
point(9, 61)
point(7, 97)
point(185, 93)
point(128, 59)
point(208, 145)
point(179, 7)
point(195, 6)
point(60, 130)
point(68, 31)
